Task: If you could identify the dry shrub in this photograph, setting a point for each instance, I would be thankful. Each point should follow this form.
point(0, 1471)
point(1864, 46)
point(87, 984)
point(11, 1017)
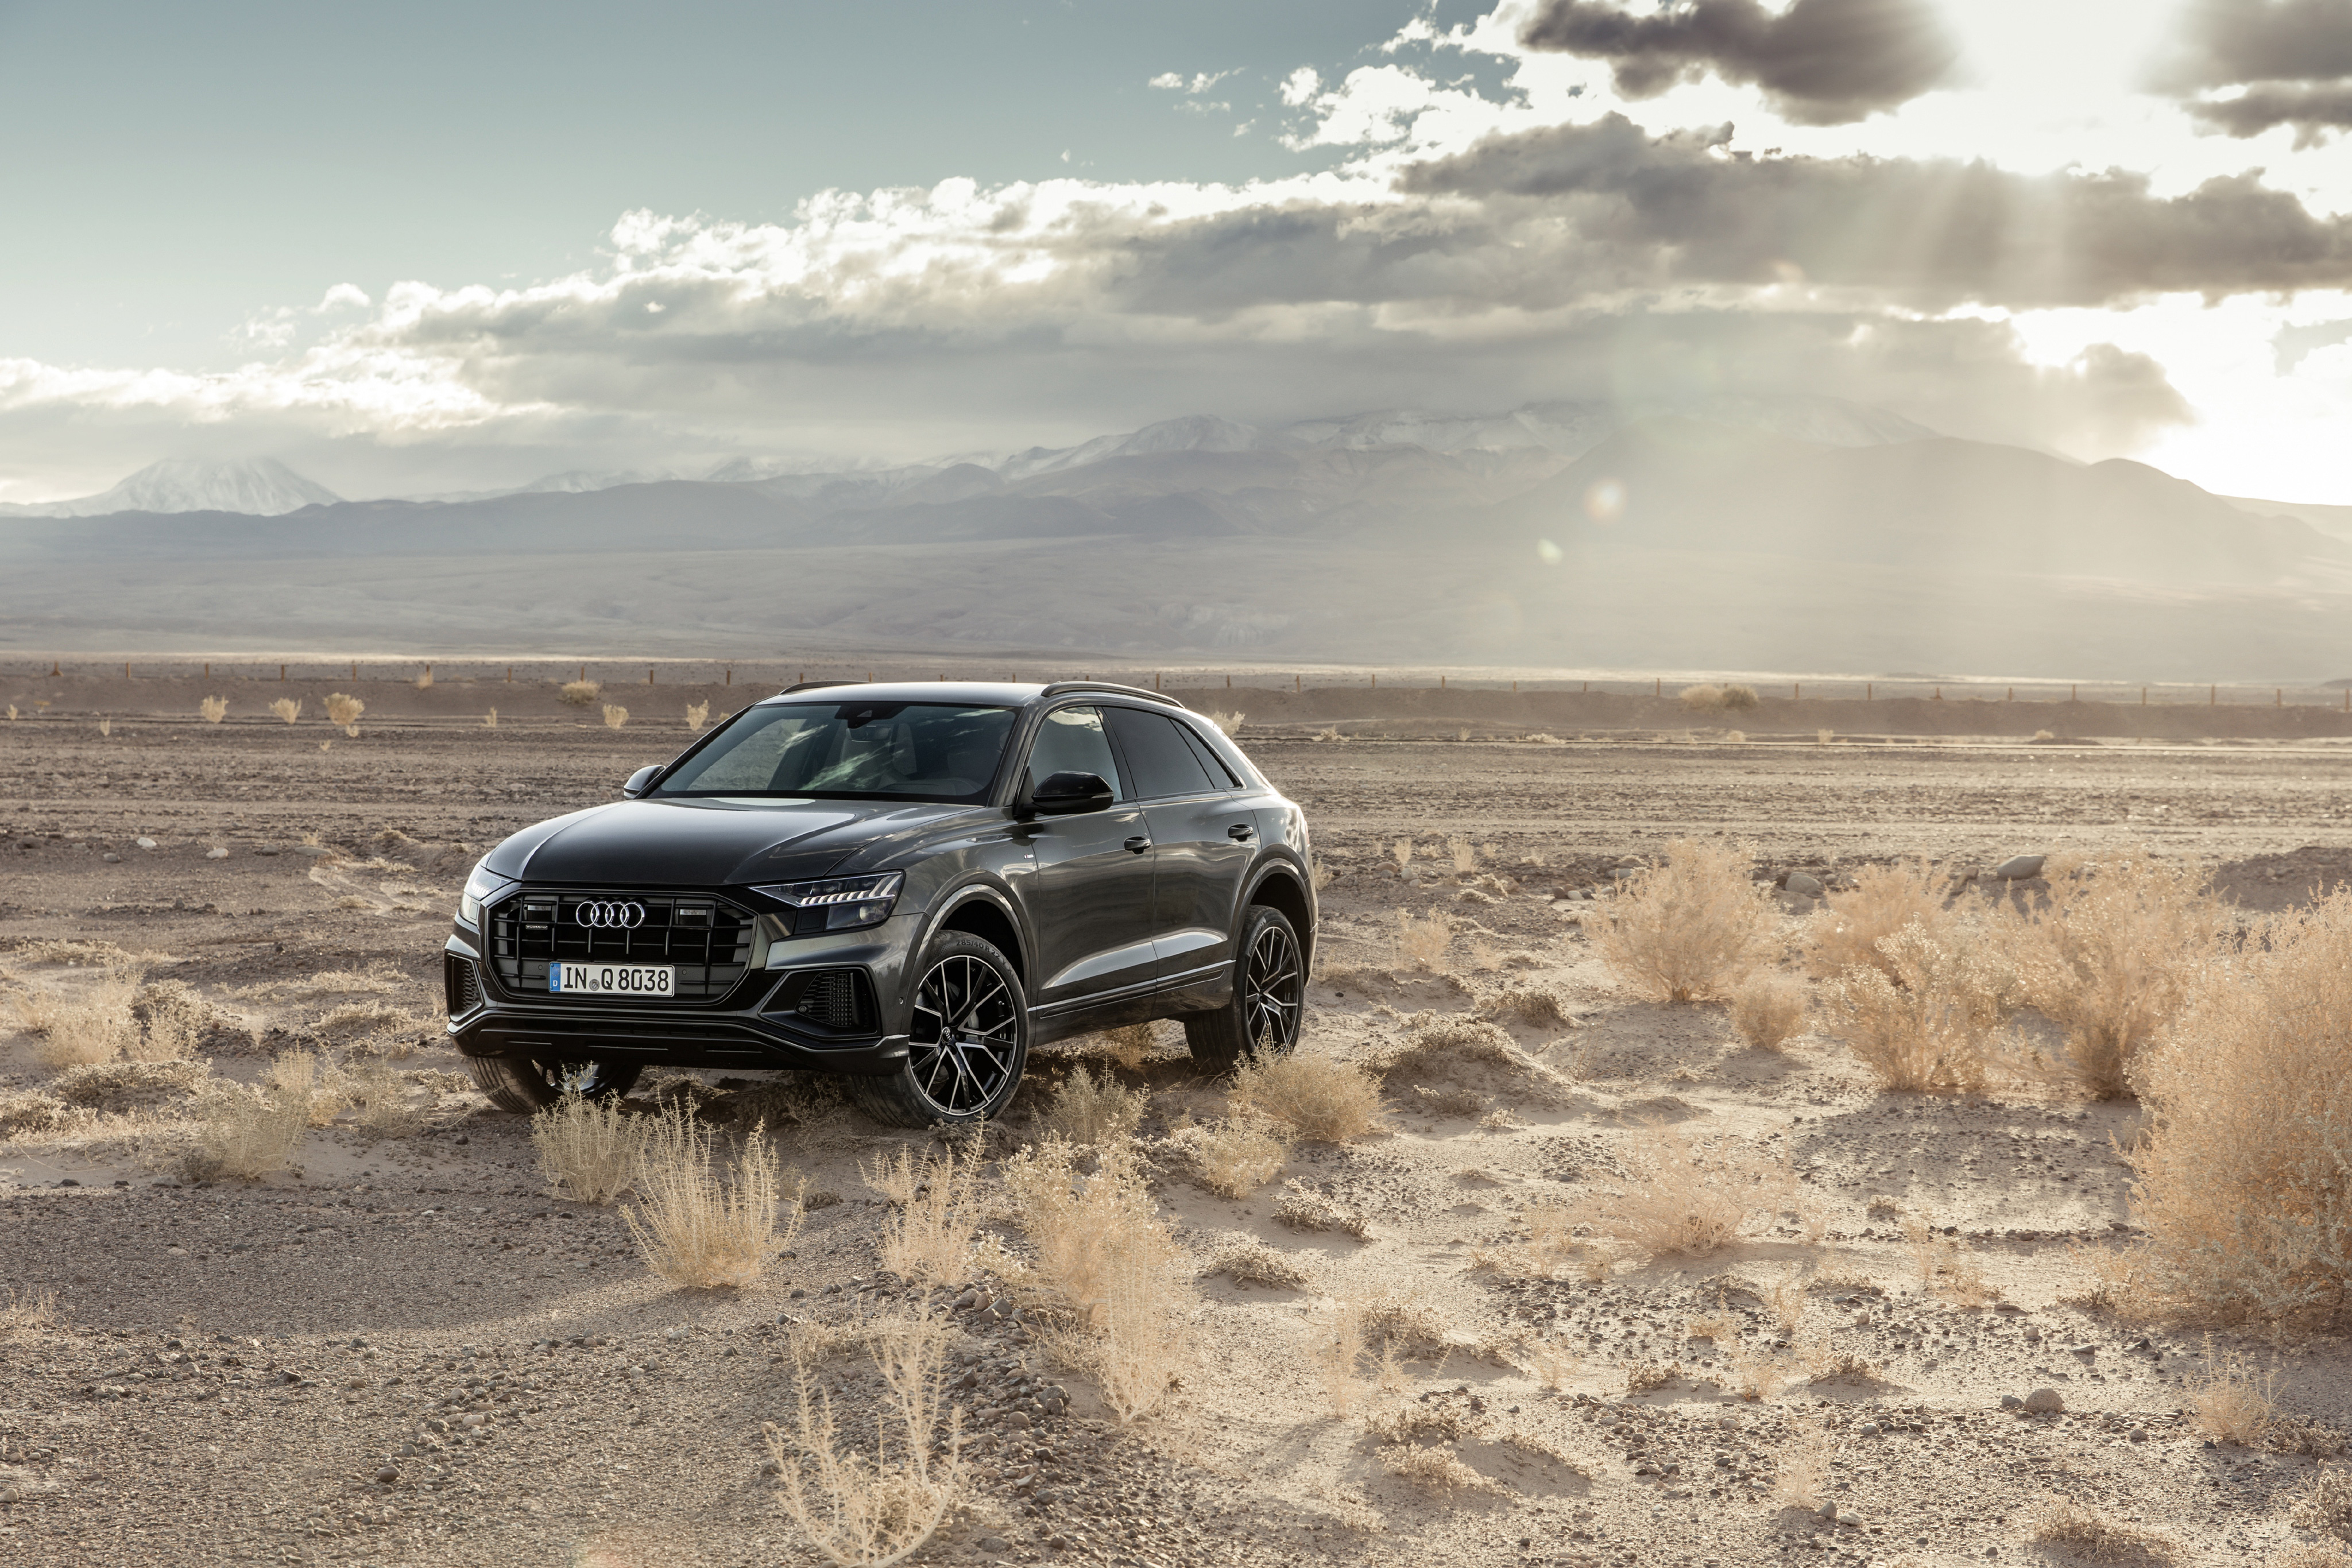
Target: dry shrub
point(1417, 1423)
point(1302, 1208)
point(697, 715)
point(701, 1221)
point(1691, 928)
point(587, 1148)
point(106, 726)
point(1441, 1049)
point(355, 1019)
point(1942, 1271)
point(1316, 1096)
point(615, 716)
point(879, 1511)
point(96, 1026)
point(1253, 1262)
point(2245, 1173)
point(1403, 851)
point(246, 1133)
point(1463, 854)
point(27, 1313)
point(1227, 723)
point(1800, 1471)
point(171, 1019)
point(1543, 739)
point(381, 1098)
point(1088, 1110)
point(1237, 1156)
point(1769, 1011)
point(124, 1087)
point(1435, 1470)
point(1530, 1005)
point(491, 719)
point(2325, 1504)
point(2230, 1402)
point(2093, 1537)
point(1424, 943)
point(1924, 1023)
point(343, 710)
point(929, 1238)
point(1852, 922)
point(1649, 1376)
point(287, 708)
point(213, 710)
point(1550, 1363)
point(2113, 958)
point(1109, 1265)
point(1708, 697)
point(319, 1087)
point(25, 1112)
point(2324, 1553)
point(1129, 1045)
point(580, 694)
point(1682, 1199)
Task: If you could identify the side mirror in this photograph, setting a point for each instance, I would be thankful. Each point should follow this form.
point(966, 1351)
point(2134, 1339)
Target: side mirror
point(1066, 794)
point(640, 781)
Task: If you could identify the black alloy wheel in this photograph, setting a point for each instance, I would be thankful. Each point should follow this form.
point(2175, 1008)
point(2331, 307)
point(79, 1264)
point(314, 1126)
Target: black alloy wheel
point(523, 1086)
point(968, 1041)
point(1269, 998)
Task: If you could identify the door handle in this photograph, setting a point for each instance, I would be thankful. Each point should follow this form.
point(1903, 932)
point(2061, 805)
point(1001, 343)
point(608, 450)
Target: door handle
point(1137, 846)
point(1241, 831)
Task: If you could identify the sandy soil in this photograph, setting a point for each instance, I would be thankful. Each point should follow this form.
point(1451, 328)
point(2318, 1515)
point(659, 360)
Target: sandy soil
point(282, 1371)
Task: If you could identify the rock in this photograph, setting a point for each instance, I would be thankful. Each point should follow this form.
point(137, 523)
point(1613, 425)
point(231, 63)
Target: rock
point(1804, 884)
point(1017, 1421)
point(2018, 868)
point(144, 842)
point(1867, 1429)
point(386, 1476)
point(2011, 1402)
point(110, 858)
point(992, 1543)
point(216, 853)
point(2044, 1402)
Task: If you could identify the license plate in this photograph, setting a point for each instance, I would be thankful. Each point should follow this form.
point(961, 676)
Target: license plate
point(610, 980)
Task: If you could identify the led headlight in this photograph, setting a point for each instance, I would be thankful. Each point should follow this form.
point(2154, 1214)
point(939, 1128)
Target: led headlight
point(839, 904)
point(479, 885)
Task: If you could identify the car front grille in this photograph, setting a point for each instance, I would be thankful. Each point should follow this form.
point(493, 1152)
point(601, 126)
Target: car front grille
point(707, 940)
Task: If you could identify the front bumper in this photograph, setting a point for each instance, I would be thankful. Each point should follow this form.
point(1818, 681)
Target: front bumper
point(760, 1026)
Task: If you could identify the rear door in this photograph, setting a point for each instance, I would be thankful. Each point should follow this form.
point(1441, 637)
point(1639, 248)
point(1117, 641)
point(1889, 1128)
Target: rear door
point(1092, 912)
point(1202, 838)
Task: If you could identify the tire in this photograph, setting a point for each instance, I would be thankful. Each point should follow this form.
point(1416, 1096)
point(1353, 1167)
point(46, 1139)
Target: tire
point(967, 1045)
point(525, 1087)
point(1269, 997)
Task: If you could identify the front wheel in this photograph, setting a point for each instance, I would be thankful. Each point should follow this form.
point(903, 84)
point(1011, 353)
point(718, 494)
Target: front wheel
point(524, 1086)
point(967, 1045)
point(1269, 995)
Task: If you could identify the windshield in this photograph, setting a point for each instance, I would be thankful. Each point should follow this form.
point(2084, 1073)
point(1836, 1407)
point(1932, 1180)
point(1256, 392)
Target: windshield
point(857, 750)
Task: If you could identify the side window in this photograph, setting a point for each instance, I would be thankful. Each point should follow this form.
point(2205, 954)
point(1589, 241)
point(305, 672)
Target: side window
point(1163, 763)
point(1221, 776)
point(1071, 740)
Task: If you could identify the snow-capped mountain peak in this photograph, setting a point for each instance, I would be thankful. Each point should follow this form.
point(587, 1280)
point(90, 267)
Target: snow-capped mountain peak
point(260, 487)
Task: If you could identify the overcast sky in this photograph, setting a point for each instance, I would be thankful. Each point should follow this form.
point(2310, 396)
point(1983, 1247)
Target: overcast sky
point(436, 246)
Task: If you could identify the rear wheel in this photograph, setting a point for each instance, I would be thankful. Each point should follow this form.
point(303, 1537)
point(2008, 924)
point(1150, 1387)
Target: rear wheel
point(523, 1086)
point(1269, 995)
point(967, 1045)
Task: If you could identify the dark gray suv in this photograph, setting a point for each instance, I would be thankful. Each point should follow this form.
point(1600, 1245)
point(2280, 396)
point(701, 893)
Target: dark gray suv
point(908, 886)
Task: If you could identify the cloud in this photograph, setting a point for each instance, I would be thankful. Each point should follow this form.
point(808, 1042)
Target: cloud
point(2293, 57)
point(1819, 62)
point(1686, 208)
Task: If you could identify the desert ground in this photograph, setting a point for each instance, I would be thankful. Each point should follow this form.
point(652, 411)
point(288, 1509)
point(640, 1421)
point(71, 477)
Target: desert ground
point(291, 1370)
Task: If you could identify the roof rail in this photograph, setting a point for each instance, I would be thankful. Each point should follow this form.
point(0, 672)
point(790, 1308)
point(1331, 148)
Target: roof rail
point(1058, 688)
point(812, 685)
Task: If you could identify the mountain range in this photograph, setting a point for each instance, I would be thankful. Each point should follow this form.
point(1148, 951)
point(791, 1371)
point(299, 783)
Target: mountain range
point(1741, 533)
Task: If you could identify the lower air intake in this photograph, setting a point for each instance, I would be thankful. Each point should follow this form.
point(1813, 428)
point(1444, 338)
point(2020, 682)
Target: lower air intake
point(836, 999)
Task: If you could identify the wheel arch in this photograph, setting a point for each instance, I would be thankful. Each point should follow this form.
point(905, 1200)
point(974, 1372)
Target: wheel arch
point(1280, 888)
point(980, 910)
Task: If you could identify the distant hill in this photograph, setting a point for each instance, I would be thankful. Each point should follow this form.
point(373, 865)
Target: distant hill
point(261, 487)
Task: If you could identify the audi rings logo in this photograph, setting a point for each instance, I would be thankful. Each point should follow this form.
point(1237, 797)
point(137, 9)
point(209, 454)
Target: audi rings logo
point(611, 916)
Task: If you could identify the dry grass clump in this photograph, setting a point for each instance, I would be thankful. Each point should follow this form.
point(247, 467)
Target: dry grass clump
point(213, 710)
point(1227, 723)
point(287, 708)
point(355, 1019)
point(1942, 1271)
point(1302, 1208)
point(1800, 1471)
point(1530, 1005)
point(2095, 1537)
point(95, 1026)
point(1708, 697)
point(580, 694)
point(1253, 1263)
point(1236, 1156)
point(1417, 1423)
point(1692, 928)
point(1436, 1470)
point(2325, 1504)
point(379, 1097)
point(170, 1018)
point(1769, 1011)
point(929, 1238)
point(26, 1113)
point(1679, 1199)
point(1885, 899)
point(2231, 1404)
point(124, 1087)
point(2242, 1173)
point(1425, 943)
point(2113, 958)
point(587, 1148)
point(491, 719)
point(1090, 1111)
point(1925, 1022)
point(244, 1135)
point(879, 1511)
point(27, 1313)
point(1107, 1262)
point(697, 715)
point(1319, 1097)
point(345, 711)
point(615, 716)
point(700, 1220)
point(1129, 1045)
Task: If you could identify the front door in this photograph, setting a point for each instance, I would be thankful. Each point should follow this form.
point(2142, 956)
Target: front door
point(1202, 839)
point(1092, 910)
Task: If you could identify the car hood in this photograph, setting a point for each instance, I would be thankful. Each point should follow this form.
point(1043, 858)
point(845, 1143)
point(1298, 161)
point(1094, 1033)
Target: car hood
point(708, 842)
